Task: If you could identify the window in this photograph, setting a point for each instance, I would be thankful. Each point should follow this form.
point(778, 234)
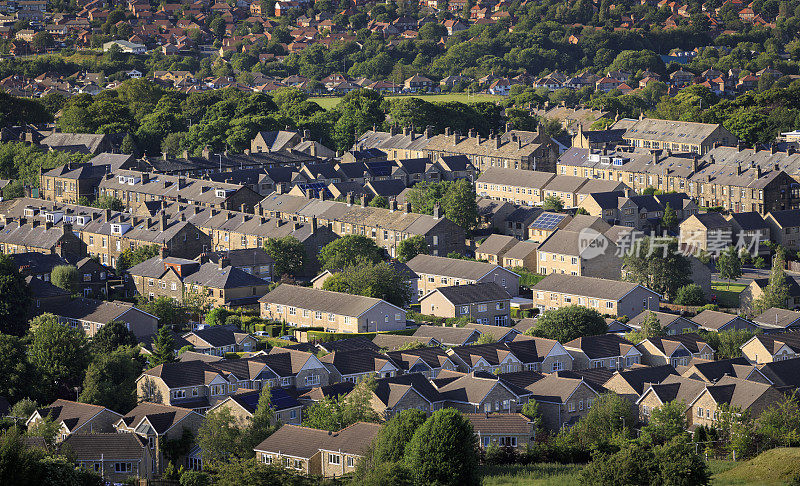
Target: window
point(318, 315)
point(508, 441)
point(350, 461)
point(571, 406)
point(123, 467)
point(87, 277)
point(266, 459)
point(292, 414)
point(700, 412)
point(482, 307)
point(312, 380)
point(292, 311)
point(306, 312)
point(398, 317)
point(286, 381)
point(178, 394)
point(173, 286)
point(500, 306)
point(334, 459)
point(332, 317)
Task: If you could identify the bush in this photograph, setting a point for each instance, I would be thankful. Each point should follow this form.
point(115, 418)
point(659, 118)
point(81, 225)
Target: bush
point(496, 455)
point(690, 294)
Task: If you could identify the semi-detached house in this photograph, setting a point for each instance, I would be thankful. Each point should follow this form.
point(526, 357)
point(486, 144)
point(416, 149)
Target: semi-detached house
point(436, 271)
point(612, 297)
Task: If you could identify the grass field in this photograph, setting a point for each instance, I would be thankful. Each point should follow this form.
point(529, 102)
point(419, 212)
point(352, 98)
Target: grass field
point(543, 474)
point(727, 296)
point(774, 467)
point(329, 102)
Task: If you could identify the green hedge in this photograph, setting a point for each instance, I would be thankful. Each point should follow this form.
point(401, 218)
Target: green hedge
point(437, 321)
point(325, 336)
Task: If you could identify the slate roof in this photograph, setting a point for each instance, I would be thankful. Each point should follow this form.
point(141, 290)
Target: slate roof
point(713, 371)
point(656, 129)
point(639, 377)
point(450, 267)
point(601, 346)
point(677, 388)
point(356, 343)
point(279, 399)
point(205, 274)
point(91, 310)
point(469, 388)
point(499, 423)
point(691, 341)
point(323, 300)
point(515, 177)
point(110, 446)
point(749, 221)
point(43, 290)
point(218, 336)
point(390, 390)
point(496, 244)
point(586, 286)
point(786, 218)
point(492, 353)
point(555, 387)
point(784, 374)
point(664, 318)
point(394, 341)
point(777, 318)
point(305, 442)
point(161, 417)
point(449, 336)
point(90, 141)
point(435, 357)
point(710, 319)
point(73, 414)
point(29, 235)
point(357, 361)
point(472, 293)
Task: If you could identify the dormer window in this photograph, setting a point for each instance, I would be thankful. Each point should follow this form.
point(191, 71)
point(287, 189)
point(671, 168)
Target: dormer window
point(220, 192)
point(121, 179)
point(131, 181)
point(116, 229)
point(81, 220)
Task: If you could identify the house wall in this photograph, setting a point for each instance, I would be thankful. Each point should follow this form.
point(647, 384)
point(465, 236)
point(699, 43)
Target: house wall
point(756, 353)
point(495, 312)
point(499, 275)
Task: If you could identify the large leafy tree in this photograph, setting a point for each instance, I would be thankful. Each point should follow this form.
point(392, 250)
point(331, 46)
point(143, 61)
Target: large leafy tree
point(776, 293)
point(111, 336)
point(729, 265)
point(289, 255)
point(337, 413)
point(168, 311)
point(443, 451)
point(349, 251)
point(15, 370)
point(657, 265)
point(163, 347)
point(15, 298)
point(381, 281)
point(59, 355)
point(460, 204)
point(411, 247)
point(111, 379)
point(568, 323)
point(65, 277)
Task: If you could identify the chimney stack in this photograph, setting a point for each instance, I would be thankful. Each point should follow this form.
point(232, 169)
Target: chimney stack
point(392, 204)
point(223, 262)
point(106, 215)
point(758, 172)
point(363, 200)
point(773, 149)
point(349, 198)
point(739, 146)
point(407, 207)
point(162, 221)
point(163, 252)
point(436, 211)
point(313, 224)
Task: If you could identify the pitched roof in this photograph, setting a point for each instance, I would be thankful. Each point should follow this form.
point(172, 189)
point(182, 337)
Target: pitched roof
point(449, 336)
point(472, 293)
point(391, 390)
point(73, 414)
point(600, 288)
point(601, 345)
point(357, 361)
point(712, 371)
point(784, 373)
point(450, 267)
point(323, 300)
point(641, 376)
point(555, 387)
point(711, 319)
point(110, 446)
point(279, 399)
point(499, 423)
point(777, 318)
point(305, 442)
point(161, 417)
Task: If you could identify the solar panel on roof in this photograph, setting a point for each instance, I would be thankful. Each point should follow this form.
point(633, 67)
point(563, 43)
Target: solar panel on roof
point(382, 168)
point(548, 220)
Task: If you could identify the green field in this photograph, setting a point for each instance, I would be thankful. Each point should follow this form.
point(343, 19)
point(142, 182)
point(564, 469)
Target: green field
point(773, 467)
point(727, 296)
point(329, 102)
point(542, 474)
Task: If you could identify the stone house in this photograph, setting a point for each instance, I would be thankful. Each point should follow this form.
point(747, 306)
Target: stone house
point(671, 324)
point(677, 350)
point(491, 358)
point(244, 404)
point(603, 351)
point(218, 340)
point(394, 394)
point(478, 392)
point(770, 347)
point(435, 272)
point(612, 297)
point(485, 303)
point(502, 429)
point(117, 457)
point(426, 361)
point(75, 418)
point(448, 336)
point(586, 254)
point(711, 320)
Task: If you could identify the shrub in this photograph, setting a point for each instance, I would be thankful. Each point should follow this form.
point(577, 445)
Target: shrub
point(690, 294)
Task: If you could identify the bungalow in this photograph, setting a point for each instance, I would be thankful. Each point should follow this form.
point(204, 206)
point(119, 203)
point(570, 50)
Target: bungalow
point(670, 323)
point(485, 303)
point(427, 361)
point(778, 319)
point(218, 340)
point(448, 336)
point(711, 320)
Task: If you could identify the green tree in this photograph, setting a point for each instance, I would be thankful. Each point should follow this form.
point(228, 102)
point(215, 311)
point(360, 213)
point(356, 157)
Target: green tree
point(217, 316)
point(779, 424)
point(666, 422)
point(381, 281)
point(383, 464)
point(729, 265)
point(670, 218)
point(111, 336)
point(334, 414)
point(460, 204)
point(691, 294)
point(531, 410)
point(111, 379)
point(552, 203)
point(66, 277)
point(109, 202)
point(163, 347)
point(130, 258)
point(262, 423)
point(651, 326)
point(15, 298)
point(776, 293)
point(486, 338)
point(349, 251)
point(128, 144)
point(657, 265)
point(568, 323)
point(411, 247)
point(41, 41)
point(58, 354)
point(168, 311)
point(289, 255)
point(443, 451)
point(610, 417)
point(220, 437)
point(15, 371)
point(379, 202)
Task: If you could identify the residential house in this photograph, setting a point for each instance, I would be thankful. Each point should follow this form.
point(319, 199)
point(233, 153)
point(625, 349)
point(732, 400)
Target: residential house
point(603, 351)
point(116, 457)
point(155, 423)
point(485, 303)
point(392, 395)
point(671, 324)
point(478, 392)
point(610, 297)
point(783, 374)
point(426, 361)
point(90, 315)
point(254, 261)
point(775, 319)
point(676, 350)
point(540, 354)
point(673, 388)
point(448, 336)
point(679, 136)
point(713, 371)
point(755, 290)
point(356, 365)
point(491, 358)
point(243, 404)
point(770, 347)
point(219, 340)
point(22, 236)
point(563, 397)
point(222, 284)
point(70, 183)
point(711, 320)
point(785, 227)
point(708, 232)
point(500, 334)
point(512, 430)
point(394, 342)
point(75, 418)
point(738, 394)
point(435, 272)
point(580, 253)
point(309, 307)
point(631, 383)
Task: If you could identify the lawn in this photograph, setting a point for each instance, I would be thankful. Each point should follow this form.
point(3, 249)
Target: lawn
point(543, 474)
point(727, 296)
point(773, 467)
point(329, 102)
